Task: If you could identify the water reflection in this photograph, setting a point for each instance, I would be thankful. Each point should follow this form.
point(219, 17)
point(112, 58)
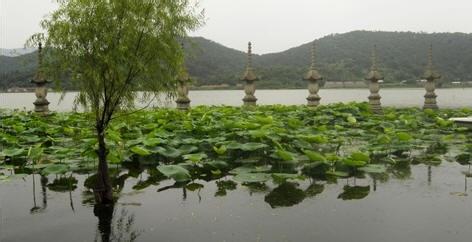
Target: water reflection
point(285, 195)
point(224, 186)
point(354, 192)
point(114, 225)
point(42, 208)
point(314, 189)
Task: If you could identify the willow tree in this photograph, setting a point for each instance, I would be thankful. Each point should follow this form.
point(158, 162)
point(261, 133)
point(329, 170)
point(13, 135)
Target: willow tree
point(111, 49)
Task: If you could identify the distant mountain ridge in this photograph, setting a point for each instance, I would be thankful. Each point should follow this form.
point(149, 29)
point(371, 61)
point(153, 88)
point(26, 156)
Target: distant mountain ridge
point(402, 56)
point(16, 52)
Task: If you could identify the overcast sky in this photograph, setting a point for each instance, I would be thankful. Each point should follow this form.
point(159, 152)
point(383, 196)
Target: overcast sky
point(276, 25)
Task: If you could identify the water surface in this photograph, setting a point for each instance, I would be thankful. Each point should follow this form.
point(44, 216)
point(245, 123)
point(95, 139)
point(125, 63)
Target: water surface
point(398, 97)
point(417, 203)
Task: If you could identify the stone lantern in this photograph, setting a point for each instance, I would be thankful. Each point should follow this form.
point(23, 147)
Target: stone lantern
point(183, 79)
point(41, 105)
point(430, 76)
point(249, 78)
point(374, 77)
point(313, 78)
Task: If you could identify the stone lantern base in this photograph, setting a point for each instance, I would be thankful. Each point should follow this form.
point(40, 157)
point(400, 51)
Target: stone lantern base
point(41, 105)
point(313, 100)
point(183, 103)
point(374, 102)
point(249, 100)
point(430, 101)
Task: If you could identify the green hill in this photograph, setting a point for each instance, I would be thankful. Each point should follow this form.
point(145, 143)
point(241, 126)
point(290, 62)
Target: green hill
point(402, 56)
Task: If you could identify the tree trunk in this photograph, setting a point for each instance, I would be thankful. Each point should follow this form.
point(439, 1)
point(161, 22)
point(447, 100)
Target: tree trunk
point(103, 189)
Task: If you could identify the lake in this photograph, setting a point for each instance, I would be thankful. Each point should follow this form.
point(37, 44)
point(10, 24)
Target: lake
point(422, 196)
point(398, 97)
point(418, 203)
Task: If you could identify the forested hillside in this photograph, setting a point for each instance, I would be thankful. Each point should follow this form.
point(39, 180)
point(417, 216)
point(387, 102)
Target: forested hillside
point(402, 56)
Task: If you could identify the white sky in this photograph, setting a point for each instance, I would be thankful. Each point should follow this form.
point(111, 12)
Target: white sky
point(276, 25)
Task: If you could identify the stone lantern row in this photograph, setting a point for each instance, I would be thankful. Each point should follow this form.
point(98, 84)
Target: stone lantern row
point(374, 76)
point(312, 77)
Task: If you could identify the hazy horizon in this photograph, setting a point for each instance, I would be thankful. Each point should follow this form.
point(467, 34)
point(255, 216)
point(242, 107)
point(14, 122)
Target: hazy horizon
point(275, 25)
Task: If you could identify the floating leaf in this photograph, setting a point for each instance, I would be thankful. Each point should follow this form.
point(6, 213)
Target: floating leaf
point(250, 169)
point(176, 172)
point(374, 168)
point(152, 141)
point(169, 152)
point(284, 155)
point(354, 163)
point(217, 164)
point(220, 150)
point(319, 139)
point(195, 157)
point(351, 120)
point(314, 156)
point(402, 136)
point(187, 149)
point(252, 146)
point(139, 150)
point(251, 177)
point(360, 156)
point(55, 169)
point(14, 152)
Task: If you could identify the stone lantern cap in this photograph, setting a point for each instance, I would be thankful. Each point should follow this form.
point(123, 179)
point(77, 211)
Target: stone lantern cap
point(249, 74)
point(374, 74)
point(313, 74)
point(430, 73)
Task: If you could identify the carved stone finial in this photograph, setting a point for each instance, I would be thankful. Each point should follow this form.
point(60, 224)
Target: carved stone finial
point(249, 55)
point(41, 105)
point(374, 58)
point(430, 57)
point(430, 76)
point(40, 54)
point(249, 78)
point(313, 78)
point(313, 55)
point(183, 80)
point(374, 77)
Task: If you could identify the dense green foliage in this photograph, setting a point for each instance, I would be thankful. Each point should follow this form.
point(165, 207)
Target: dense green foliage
point(276, 143)
point(402, 56)
point(110, 50)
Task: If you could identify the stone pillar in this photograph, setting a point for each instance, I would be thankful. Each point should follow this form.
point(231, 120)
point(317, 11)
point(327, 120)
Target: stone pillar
point(249, 78)
point(183, 80)
point(430, 76)
point(183, 101)
point(41, 105)
point(313, 78)
point(374, 77)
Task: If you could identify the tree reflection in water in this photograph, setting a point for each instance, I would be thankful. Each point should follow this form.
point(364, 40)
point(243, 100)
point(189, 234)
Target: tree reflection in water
point(115, 225)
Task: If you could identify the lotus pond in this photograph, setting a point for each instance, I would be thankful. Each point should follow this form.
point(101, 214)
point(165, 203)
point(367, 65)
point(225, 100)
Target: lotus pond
point(271, 173)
